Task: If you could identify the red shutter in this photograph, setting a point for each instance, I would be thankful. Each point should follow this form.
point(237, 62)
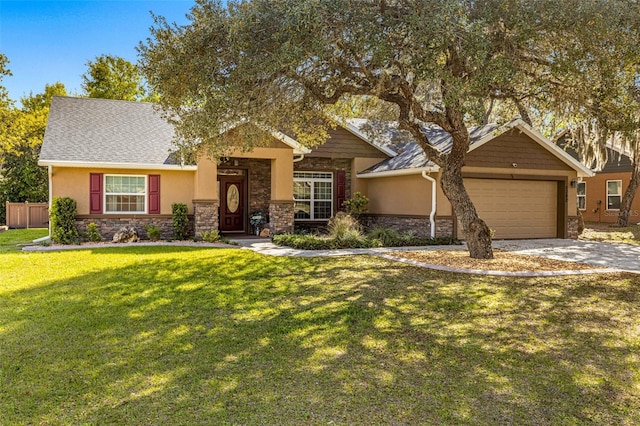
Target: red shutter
point(95, 193)
point(154, 194)
point(341, 183)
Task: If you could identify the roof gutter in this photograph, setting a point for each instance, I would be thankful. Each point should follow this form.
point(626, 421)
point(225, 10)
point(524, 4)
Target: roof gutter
point(400, 172)
point(432, 215)
point(95, 164)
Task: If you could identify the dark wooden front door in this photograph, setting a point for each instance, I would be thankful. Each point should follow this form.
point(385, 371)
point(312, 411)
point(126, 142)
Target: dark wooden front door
point(232, 200)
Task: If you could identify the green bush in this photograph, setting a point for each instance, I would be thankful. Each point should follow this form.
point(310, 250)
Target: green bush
point(210, 236)
point(180, 221)
point(344, 226)
point(377, 237)
point(153, 232)
point(63, 221)
point(384, 237)
point(93, 233)
point(357, 205)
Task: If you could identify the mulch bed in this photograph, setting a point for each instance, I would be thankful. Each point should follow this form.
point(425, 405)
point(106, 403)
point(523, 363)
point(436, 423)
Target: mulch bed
point(502, 261)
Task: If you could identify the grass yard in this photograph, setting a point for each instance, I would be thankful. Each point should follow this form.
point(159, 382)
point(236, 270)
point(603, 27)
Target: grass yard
point(187, 336)
point(10, 239)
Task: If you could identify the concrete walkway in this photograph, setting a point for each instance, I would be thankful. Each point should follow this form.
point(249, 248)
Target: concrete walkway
point(625, 257)
point(612, 257)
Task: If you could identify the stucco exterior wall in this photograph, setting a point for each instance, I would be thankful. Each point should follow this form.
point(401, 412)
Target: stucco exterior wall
point(597, 190)
point(402, 195)
point(175, 186)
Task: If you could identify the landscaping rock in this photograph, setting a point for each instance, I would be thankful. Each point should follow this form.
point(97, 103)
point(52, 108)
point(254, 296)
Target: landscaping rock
point(126, 234)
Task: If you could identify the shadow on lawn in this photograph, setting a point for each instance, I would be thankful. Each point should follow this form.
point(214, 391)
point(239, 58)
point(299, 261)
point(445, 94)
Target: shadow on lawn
point(234, 337)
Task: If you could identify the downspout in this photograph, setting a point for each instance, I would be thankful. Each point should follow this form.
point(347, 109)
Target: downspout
point(50, 176)
point(432, 215)
point(295, 160)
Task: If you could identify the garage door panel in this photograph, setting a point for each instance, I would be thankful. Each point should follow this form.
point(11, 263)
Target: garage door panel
point(515, 208)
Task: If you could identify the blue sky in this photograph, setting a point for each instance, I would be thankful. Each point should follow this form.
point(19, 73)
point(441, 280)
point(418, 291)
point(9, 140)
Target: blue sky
point(48, 41)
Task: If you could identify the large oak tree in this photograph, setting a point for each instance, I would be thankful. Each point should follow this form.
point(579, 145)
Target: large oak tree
point(281, 62)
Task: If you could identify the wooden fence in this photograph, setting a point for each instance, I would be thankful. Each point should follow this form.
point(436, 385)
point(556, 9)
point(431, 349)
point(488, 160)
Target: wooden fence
point(27, 215)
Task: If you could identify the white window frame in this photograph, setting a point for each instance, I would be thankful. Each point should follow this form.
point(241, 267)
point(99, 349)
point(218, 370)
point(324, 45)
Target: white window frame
point(312, 200)
point(145, 194)
point(614, 195)
point(584, 196)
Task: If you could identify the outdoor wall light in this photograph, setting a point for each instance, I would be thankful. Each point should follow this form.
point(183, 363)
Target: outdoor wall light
point(574, 183)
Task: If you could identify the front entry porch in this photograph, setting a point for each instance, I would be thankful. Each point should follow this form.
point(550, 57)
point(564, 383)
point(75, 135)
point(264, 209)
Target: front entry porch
point(243, 187)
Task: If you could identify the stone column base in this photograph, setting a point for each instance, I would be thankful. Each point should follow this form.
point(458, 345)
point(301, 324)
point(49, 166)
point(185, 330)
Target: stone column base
point(205, 215)
point(572, 227)
point(281, 217)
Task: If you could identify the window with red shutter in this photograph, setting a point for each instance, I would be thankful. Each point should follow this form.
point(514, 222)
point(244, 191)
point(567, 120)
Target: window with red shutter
point(154, 194)
point(95, 193)
point(341, 189)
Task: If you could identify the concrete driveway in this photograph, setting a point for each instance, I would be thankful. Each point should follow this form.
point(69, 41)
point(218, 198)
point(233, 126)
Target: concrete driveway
point(620, 256)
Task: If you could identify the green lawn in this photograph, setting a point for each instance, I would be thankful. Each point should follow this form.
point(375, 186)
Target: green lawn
point(10, 239)
point(162, 335)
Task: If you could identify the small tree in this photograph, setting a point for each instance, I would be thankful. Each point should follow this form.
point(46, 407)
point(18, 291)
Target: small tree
point(63, 221)
point(357, 205)
point(180, 221)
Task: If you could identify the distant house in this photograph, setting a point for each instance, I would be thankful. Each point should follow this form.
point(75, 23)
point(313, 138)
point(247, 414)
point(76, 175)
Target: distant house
point(115, 159)
point(599, 197)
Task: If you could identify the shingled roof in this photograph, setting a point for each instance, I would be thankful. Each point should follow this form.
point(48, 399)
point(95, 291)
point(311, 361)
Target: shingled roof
point(90, 132)
point(411, 158)
point(410, 154)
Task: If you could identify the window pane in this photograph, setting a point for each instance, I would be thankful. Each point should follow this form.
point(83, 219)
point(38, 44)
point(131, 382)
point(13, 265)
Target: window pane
point(302, 210)
point(582, 203)
point(614, 187)
point(322, 191)
point(613, 202)
point(125, 203)
point(582, 188)
point(322, 210)
point(302, 190)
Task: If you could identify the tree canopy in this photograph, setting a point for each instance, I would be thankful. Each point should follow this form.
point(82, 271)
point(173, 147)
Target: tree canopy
point(281, 63)
point(21, 179)
point(112, 77)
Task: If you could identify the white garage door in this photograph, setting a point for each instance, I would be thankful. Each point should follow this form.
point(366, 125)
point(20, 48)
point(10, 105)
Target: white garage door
point(515, 208)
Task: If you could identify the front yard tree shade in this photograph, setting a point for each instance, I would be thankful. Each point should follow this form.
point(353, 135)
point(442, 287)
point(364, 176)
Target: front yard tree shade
point(282, 64)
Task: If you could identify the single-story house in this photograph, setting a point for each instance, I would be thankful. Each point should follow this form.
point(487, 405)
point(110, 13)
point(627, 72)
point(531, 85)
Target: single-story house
point(600, 196)
point(115, 159)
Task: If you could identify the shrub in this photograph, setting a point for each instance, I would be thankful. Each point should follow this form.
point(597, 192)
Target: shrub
point(385, 237)
point(153, 232)
point(357, 205)
point(180, 221)
point(93, 233)
point(344, 226)
point(63, 220)
point(302, 241)
point(210, 236)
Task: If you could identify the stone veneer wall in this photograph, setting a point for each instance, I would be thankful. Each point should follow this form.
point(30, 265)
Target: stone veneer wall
point(108, 226)
point(420, 226)
point(205, 215)
point(281, 217)
point(444, 227)
point(572, 225)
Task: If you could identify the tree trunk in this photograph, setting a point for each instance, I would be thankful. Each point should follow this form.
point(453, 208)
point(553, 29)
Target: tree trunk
point(476, 232)
point(629, 194)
